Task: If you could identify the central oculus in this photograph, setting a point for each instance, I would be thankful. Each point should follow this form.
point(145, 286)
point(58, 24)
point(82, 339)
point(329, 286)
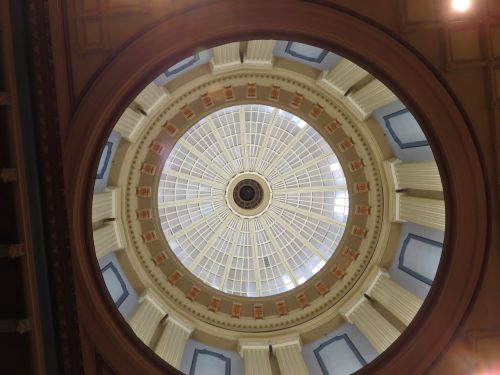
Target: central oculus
point(248, 194)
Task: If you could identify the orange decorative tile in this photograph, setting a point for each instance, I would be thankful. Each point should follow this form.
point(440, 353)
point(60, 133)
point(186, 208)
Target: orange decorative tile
point(316, 111)
point(281, 308)
point(274, 93)
point(361, 187)
point(228, 92)
point(157, 147)
point(187, 112)
point(144, 213)
point(296, 100)
point(170, 128)
point(174, 277)
point(143, 191)
point(214, 304)
point(346, 144)
point(160, 258)
point(332, 126)
point(207, 101)
point(338, 272)
point(251, 91)
point(359, 231)
point(350, 253)
point(321, 287)
point(148, 168)
point(193, 293)
point(236, 310)
point(149, 236)
point(362, 209)
point(258, 311)
point(302, 300)
point(356, 165)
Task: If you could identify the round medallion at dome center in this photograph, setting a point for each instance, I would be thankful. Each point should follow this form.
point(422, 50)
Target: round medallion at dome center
point(248, 194)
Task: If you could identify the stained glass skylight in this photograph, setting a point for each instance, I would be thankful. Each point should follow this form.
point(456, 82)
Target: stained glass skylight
point(252, 200)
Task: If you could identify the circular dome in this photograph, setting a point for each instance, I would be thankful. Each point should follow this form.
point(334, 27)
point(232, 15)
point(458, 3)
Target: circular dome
point(252, 200)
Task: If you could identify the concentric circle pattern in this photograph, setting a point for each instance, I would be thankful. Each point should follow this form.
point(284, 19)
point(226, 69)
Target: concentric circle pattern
point(265, 254)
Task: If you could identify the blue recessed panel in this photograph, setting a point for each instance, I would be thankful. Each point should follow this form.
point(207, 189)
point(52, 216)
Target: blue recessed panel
point(105, 159)
point(405, 130)
point(115, 284)
point(306, 52)
point(339, 356)
point(183, 65)
point(207, 362)
point(420, 257)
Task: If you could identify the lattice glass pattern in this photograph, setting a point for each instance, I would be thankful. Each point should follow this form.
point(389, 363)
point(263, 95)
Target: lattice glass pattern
point(287, 244)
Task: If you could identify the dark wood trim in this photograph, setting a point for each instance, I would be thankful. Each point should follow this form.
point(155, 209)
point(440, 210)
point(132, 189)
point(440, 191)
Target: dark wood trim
point(43, 143)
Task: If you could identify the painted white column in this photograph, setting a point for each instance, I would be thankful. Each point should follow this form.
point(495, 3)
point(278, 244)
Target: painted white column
point(151, 96)
point(107, 239)
point(400, 302)
point(225, 57)
point(422, 176)
point(422, 211)
point(145, 320)
point(129, 124)
point(342, 77)
point(173, 339)
point(104, 204)
point(371, 323)
point(369, 98)
point(259, 53)
point(290, 360)
point(256, 358)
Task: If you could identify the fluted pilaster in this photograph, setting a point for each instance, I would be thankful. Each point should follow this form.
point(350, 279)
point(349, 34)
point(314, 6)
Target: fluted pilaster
point(104, 205)
point(259, 53)
point(400, 302)
point(173, 338)
point(422, 211)
point(421, 176)
point(150, 96)
point(129, 124)
point(372, 324)
point(107, 239)
point(289, 357)
point(369, 98)
point(147, 317)
point(342, 77)
point(225, 57)
point(256, 358)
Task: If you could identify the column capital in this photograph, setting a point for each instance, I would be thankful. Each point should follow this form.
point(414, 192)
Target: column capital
point(153, 298)
point(390, 172)
point(376, 275)
point(252, 344)
point(179, 322)
point(349, 308)
point(287, 341)
point(396, 207)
